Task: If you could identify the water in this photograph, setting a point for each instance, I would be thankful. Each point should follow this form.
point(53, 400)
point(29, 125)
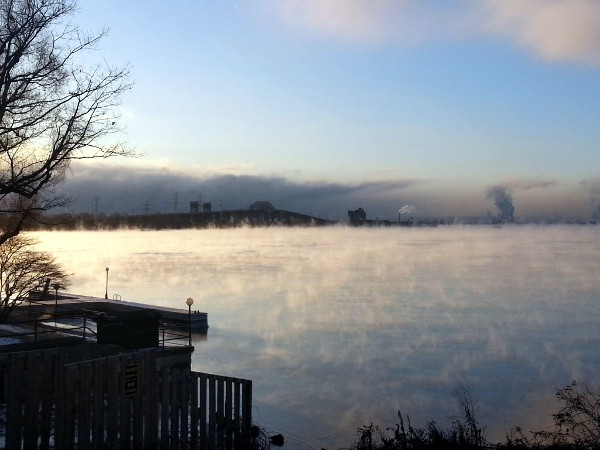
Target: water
point(340, 327)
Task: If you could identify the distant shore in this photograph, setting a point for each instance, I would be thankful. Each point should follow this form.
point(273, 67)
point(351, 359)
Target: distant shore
point(245, 218)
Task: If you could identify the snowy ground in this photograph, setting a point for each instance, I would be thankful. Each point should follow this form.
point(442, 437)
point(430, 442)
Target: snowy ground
point(8, 332)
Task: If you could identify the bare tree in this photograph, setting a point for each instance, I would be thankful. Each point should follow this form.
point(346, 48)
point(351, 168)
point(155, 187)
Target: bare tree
point(53, 108)
point(23, 269)
point(577, 423)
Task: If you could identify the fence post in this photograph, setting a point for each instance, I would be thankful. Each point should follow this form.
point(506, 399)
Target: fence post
point(247, 411)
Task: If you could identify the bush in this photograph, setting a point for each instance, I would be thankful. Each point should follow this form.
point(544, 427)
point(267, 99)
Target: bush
point(576, 424)
point(576, 427)
point(465, 433)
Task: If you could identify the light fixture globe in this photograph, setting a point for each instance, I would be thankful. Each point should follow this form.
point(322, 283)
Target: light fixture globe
point(189, 301)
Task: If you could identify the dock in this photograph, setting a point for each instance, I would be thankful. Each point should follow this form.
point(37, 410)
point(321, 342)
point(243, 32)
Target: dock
point(68, 304)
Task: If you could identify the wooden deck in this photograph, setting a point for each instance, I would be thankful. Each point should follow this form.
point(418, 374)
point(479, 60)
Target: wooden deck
point(65, 304)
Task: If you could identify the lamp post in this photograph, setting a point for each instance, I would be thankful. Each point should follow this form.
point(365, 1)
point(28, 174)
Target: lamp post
point(56, 287)
point(106, 293)
point(189, 302)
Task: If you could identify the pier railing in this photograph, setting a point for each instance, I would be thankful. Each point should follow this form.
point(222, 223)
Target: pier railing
point(123, 401)
point(36, 329)
point(35, 320)
point(83, 326)
point(173, 334)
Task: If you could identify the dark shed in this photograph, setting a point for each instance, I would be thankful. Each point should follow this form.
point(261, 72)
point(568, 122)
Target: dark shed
point(130, 329)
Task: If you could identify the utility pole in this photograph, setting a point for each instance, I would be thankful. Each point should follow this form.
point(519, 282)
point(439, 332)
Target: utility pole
point(96, 203)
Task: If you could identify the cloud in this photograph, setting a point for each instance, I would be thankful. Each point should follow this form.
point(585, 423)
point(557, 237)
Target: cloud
point(362, 21)
point(526, 184)
point(159, 186)
point(553, 30)
point(134, 189)
point(353, 21)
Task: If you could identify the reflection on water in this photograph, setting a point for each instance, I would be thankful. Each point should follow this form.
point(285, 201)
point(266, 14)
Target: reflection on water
point(341, 327)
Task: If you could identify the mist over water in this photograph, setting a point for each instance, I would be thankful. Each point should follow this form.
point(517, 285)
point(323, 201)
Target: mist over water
point(340, 327)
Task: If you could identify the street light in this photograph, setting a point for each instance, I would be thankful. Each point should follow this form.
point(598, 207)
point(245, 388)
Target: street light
point(189, 302)
point(56, 287)
point(106, 294)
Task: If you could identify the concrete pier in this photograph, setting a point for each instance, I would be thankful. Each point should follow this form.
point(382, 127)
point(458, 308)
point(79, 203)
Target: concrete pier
point(64, 305)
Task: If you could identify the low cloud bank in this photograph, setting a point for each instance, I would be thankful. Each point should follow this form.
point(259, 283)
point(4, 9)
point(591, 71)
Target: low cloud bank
point(111, 189)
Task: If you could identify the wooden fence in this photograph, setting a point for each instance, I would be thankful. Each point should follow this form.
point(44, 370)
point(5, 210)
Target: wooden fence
point(121, 401)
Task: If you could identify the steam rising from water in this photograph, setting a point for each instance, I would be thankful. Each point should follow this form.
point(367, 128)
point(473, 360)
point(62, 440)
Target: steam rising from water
point(340, 327)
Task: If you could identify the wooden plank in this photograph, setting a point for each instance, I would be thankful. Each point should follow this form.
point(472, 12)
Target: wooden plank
point(71, 383)
point(193, 410)
point(228, 413)
point(202, 414)
point(236, 408)
point(185, 410)
point(151, 403)
point(164, 410)
point(14, 379)
point(212, 413)
point(99, 388)
point(32, 389)
point(59, 431)
point(112, 404)
point(49, 396)
point(137, 403)
point(124, 408)
point(175, 407)
point(220, 410)
point(246, 411)
point(85, 374)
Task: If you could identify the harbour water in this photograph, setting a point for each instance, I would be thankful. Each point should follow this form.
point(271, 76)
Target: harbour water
point(339, 327)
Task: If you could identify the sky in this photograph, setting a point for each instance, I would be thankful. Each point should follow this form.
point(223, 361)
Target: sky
point(321, 106)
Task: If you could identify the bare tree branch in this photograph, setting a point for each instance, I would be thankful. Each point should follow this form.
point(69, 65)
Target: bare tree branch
point(22, 270)
point(52, 110)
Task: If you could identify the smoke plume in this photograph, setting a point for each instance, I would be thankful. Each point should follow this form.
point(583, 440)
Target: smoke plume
point(593, 188)
point(407, 209)
point(503, 201)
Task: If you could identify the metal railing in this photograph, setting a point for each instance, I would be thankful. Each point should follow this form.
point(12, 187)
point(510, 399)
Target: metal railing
point(173, 334)
point(40, 319)
point(36, 329)
point(169, 334)
point(63, 321)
